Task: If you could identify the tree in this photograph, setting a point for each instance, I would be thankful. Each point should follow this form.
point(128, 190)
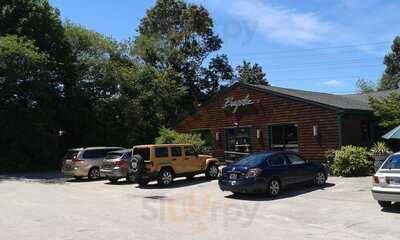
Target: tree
point(219, 71)
point(387, 110)
point(178, 36)
point(391, 76)
point(366, 86)
point(28, 103)
point(251, 74)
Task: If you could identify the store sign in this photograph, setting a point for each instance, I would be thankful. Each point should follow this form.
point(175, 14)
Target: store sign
point(235, 104)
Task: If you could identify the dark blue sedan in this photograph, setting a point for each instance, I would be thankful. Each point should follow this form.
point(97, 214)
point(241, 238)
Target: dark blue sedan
point(270, 172)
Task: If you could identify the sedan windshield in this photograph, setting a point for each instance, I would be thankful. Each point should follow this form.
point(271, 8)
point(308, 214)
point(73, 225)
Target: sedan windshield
point(251, 160)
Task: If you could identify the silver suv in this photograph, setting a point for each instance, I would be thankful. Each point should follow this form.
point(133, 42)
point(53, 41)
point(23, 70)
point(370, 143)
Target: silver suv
point(386, 182)
point(85, 162)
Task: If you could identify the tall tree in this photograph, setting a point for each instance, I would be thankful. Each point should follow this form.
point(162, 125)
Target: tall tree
point(178, 36)
point(387, 110)
point(251, 74)
point(218, 72)
point(391, 76)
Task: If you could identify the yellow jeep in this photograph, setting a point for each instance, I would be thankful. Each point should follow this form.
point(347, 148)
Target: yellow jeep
point(164, 162)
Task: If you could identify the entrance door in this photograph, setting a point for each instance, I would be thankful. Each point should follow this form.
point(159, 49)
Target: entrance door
point(284, 137)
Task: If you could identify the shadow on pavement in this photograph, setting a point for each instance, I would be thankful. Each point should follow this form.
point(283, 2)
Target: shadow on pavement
point(394, 209)
point(291, 191)
point(178, 183)
point(41, 177)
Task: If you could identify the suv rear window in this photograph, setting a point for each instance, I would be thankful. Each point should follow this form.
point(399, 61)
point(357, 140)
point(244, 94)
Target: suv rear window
point(392, 163)
point(143, 152)
point(71, 154)
point(114, 155)
point(98, 153)
point(161, 152)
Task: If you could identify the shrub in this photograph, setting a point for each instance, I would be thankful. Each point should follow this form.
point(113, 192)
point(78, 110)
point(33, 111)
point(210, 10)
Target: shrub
point(168, 136)
point(380, 148)
point(352, 161)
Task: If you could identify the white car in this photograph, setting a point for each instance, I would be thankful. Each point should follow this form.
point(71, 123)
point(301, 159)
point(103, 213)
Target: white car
point(386, 182)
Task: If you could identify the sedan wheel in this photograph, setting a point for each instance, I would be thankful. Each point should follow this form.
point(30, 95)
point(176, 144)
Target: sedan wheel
point(274, 188)
point(320, 179)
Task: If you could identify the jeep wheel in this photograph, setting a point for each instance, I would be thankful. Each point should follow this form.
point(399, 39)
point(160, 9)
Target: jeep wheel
point(136, 166)
point(166, 177)
point(212, 171)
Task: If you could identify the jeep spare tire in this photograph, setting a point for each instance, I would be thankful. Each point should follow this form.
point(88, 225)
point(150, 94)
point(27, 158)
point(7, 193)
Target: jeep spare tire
point(136, 166)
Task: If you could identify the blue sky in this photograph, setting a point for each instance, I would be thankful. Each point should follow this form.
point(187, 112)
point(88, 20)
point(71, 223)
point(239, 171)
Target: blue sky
point(318, 45)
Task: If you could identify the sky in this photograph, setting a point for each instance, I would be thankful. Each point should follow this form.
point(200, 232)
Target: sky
point(316, 45)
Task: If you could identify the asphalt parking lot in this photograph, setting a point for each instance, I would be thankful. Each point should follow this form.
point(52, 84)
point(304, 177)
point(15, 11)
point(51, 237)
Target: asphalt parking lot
point(55, 208)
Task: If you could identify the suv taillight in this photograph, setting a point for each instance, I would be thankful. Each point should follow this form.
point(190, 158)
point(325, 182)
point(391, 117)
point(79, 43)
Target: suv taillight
point(77, 160)
point(120, 163)
point(375, 179)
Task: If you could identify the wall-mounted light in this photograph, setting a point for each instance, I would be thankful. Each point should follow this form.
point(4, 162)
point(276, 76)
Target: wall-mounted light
point(315, 131)
point(217, 136)
point(258, 134)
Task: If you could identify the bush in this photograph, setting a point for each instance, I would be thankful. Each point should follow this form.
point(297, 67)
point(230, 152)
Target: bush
point(168, 136)
point(352, 161)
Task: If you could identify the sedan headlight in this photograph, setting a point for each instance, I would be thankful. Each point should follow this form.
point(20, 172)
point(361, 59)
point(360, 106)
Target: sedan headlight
point(254, 172)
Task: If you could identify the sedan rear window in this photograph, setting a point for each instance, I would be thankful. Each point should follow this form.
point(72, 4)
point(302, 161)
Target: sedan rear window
point(392, 163)
point(251, 160)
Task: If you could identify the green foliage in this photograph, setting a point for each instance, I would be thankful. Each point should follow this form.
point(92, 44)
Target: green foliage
point(380, 148)
point(366, 86)
point(391, 76)
point(251, 74)
point(179, 37)
point(168, 136)
point(387, 110)
point(352, 161)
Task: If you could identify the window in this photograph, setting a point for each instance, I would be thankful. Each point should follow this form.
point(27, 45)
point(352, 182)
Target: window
point(176, 151)
point(161, 152)
point(295, 160)
point(253, 160)
point(189, 151)
point(98, 153)
point(71, 154)
point(392, 163)
point(277, 160)
point(284, 137)
point(238, 140)
point(143, 152)
point(127, 156)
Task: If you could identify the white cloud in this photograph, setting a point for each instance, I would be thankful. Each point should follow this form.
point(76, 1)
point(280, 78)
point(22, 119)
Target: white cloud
point(281, 24)
point(333, 83)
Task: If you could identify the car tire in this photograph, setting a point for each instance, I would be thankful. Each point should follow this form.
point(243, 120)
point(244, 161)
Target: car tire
point(274, 187)
point(130, 178)
point(113, 180)
point(94, 174)
point(165, 177)
point(136, 166)
point(385, 204)
point(320, 179)
point(212, 171)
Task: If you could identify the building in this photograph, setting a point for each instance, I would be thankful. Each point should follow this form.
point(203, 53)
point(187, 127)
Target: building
point(248, 118)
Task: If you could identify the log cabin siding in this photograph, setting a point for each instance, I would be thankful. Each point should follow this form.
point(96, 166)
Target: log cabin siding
point(267, 109)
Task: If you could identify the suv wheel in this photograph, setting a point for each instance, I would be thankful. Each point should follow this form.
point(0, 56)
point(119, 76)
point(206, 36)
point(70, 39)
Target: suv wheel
point(130, 178)
point(166, 177)
point(320, 179)
point(385, 204)
point(212, 171)
point(274, 188)
point(94, 174)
